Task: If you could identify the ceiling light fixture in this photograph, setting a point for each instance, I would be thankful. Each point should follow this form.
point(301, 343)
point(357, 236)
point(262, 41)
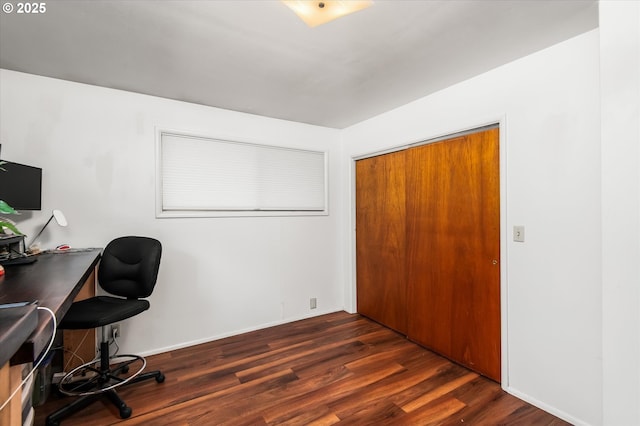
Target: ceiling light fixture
point(314, 12)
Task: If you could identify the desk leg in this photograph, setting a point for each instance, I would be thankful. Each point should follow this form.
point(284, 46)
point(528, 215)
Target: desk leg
point(10, 378)
point(80, 342)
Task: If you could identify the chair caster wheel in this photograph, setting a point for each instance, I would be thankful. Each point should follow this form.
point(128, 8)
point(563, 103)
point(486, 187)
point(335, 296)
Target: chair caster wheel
point(125, 412)
point(125, 369)
point(160, 378)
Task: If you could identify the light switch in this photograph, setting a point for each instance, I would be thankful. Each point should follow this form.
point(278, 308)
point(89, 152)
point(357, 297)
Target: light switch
point(518, 234)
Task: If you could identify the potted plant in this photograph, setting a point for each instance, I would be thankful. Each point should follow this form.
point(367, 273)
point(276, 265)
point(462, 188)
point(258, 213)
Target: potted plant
point(7, 209)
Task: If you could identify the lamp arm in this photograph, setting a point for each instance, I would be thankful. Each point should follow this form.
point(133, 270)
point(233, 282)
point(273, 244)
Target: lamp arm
point(39, 233)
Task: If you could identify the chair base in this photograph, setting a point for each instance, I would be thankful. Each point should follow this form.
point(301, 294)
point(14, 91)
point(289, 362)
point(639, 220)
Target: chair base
point(102, 384)
point(89, 378)
point(125, 411)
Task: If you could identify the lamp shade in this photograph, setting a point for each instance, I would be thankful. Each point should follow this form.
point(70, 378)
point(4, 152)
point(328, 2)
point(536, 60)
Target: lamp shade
point(60, 220)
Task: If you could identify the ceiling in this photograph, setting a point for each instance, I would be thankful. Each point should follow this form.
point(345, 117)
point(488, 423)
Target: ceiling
point(258, 57)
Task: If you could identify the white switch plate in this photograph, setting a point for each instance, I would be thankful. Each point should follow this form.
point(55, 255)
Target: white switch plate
point(518, 234)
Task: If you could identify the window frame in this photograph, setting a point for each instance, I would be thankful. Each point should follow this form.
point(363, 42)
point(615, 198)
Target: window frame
point(199, 213)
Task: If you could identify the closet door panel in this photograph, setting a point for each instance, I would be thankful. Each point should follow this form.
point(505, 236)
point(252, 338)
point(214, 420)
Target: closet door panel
point(381, 239)
point(453, 249)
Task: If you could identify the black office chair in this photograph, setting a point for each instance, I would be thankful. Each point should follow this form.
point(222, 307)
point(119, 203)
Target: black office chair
point(128, 268)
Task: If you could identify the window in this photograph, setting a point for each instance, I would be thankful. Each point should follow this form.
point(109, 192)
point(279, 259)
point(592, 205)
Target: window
point(199, 176)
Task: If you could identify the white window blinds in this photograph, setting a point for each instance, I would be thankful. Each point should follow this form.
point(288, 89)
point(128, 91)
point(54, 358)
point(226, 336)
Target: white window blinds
point(199, 175)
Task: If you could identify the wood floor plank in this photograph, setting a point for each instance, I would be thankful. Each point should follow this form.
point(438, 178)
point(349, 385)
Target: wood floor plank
point(319, 416)
point(374, 394)
point(330, 392)
point(333, 369)
point(436, 413)
point(438, 392)
point(380, 413)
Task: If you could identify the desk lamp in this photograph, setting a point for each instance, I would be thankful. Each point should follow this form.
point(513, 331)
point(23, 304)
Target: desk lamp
point(60, 220)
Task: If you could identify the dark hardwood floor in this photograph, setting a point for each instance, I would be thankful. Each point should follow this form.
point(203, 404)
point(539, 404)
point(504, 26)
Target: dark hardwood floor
point(333, 369)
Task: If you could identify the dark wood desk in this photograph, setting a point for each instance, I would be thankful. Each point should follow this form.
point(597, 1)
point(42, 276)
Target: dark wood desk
point(16, 325)
point(54, 281)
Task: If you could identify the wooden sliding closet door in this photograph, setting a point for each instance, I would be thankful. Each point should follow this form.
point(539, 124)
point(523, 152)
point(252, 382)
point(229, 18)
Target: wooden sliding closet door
point(453, 249)
point(381, 239)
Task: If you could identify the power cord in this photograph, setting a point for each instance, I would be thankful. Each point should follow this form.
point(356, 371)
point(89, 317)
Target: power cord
point(74, 354)
point(42, 357)
point(114, 341)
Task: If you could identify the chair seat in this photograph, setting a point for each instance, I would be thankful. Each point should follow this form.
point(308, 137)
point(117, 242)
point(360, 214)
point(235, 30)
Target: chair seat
point(101, 310)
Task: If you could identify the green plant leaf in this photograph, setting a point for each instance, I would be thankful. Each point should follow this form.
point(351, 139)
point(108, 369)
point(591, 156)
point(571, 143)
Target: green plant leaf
point(6, 208)
point(11, 226)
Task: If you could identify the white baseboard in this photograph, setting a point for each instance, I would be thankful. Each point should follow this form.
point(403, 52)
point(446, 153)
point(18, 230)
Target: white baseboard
point(233, 333)
point(548, 408)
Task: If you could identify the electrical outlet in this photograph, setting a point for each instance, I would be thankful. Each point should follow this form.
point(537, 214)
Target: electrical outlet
point(115, 331)
point(313, 303)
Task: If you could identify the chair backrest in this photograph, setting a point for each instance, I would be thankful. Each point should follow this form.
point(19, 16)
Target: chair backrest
point(129, 266)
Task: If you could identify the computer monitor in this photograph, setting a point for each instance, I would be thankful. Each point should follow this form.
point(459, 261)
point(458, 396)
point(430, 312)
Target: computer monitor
point(21, 185)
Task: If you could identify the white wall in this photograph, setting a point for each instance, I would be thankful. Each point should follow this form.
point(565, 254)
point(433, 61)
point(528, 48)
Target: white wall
point(549, 104)
point(620, 78)
point(218, 276)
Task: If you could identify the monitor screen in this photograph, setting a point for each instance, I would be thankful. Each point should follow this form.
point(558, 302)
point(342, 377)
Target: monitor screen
point(21, 186)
